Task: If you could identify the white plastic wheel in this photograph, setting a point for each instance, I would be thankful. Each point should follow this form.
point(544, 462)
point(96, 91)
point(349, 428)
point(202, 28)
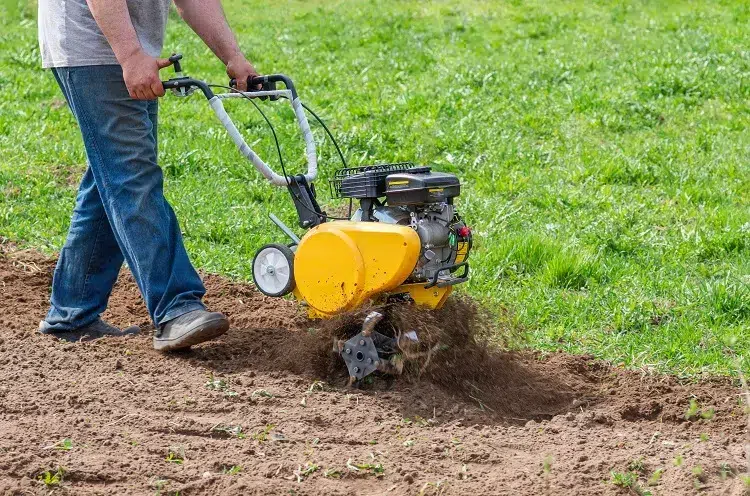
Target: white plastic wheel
point(273, 270)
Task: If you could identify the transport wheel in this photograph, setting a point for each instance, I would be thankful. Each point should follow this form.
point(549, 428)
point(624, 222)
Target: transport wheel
point(273, 270)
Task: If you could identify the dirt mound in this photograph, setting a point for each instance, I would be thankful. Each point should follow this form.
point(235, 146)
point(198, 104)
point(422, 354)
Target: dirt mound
point(261, 410)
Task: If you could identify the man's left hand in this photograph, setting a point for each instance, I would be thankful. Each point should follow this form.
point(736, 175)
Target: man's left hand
point(241, 70)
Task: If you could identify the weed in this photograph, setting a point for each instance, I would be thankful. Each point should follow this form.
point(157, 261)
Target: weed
point(708, 414)
point(373, 468)
point(261, 393)
point(678, 460)
point(637, 465)
point(230, 430)
point(655, 477)
point(725, 470)
point(219, 385)
point(704, 437)
point(623, 479)
point(693, 410)
point(332, 473)
point(628, 480)
point(233, 470)
point(547, 464)
point(175, 454)
point(262, 435)
point(62, 445)
point(52, 478)
point(316, 386)
point(309, 469)
point(159, 484)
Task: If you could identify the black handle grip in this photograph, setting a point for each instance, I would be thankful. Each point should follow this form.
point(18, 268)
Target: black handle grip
point(267, 83)
point(187, 83)
point(175, 59)
point(251, 82)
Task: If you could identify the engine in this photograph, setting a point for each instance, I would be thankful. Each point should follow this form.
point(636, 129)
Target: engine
point(421, 199)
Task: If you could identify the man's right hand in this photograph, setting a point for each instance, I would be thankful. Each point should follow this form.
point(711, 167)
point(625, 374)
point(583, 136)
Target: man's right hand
point(141, 74)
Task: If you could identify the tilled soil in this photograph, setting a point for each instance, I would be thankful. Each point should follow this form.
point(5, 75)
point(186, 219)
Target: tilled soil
point(252, 414)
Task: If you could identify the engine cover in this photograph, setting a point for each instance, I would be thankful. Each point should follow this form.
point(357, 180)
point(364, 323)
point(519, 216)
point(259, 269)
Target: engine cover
point(421, 186)
point(339, 265)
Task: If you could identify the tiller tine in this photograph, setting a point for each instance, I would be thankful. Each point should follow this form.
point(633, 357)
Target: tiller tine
point(369, 351)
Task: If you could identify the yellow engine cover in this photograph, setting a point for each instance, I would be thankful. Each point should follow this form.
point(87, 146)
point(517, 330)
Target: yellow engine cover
point(339, 265)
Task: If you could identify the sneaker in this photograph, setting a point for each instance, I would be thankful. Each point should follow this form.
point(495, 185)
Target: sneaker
point(189, 329)
point(95, 330)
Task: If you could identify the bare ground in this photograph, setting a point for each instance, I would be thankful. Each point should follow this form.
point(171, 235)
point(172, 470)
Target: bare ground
point(556, 424)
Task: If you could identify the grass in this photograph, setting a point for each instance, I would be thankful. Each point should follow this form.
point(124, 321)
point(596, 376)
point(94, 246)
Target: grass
point(602, 148)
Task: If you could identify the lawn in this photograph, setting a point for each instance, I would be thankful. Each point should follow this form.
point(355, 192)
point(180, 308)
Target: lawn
point(603, 149)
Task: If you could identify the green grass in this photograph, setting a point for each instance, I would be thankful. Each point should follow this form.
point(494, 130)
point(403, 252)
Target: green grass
point(603, 149)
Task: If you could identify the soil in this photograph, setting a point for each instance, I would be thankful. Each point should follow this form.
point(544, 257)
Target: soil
point(264, 410)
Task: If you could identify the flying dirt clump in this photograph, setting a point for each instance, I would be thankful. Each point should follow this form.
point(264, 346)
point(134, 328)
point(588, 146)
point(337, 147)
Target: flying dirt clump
point(458, 347)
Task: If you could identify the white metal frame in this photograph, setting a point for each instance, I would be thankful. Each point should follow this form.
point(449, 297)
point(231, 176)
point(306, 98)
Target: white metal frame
point(312, 159)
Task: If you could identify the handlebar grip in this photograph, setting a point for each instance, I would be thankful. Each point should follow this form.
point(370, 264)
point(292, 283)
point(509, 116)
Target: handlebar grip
point(268, 83)
point(251, 83)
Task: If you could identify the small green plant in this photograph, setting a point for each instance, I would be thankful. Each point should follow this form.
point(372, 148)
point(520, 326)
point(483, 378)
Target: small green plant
point(62, 445)
point(637, 465)
point(262, 435)
point(693, 410)
point(219, 385)
point(175, 454)
point(708, 414)
point(159, 484)
point(678, 460)
point(547, 464)
point(316, 386)
point(375, 469)
point(628, 480)
point(725, 470)
point(52, 479)
point(704, 437)
point(622, 479)
point(332, 473)
point(233, 470)
point(309, 469)
point(417, 420)
point(698, 473)
point(262, 393)
point(216, 384)
point(655, 477)
point(230, 430)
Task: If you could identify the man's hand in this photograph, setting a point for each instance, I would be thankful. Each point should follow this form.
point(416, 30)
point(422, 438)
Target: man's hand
point(141, 74)
point(241, 70)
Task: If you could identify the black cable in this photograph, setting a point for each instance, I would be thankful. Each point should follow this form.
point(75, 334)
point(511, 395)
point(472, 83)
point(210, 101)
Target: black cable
point(278, 149)
point(333, 140)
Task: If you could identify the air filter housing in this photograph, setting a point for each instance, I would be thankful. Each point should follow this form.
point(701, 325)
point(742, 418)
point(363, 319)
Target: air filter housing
point(421, 186)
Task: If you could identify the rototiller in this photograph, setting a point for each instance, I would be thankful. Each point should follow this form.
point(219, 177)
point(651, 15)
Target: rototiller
point(405, 242)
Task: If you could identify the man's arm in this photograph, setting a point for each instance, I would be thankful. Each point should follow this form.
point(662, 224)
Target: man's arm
point(139, 70)
point(206, 18)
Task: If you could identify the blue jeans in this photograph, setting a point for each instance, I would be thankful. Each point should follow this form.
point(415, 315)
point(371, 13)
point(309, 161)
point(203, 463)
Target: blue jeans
point(120, 212)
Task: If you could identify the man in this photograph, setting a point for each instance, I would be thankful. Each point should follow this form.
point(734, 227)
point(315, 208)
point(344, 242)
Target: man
point(103, 54)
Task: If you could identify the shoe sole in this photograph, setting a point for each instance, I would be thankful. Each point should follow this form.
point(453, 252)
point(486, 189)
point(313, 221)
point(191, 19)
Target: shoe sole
point(204, 332)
